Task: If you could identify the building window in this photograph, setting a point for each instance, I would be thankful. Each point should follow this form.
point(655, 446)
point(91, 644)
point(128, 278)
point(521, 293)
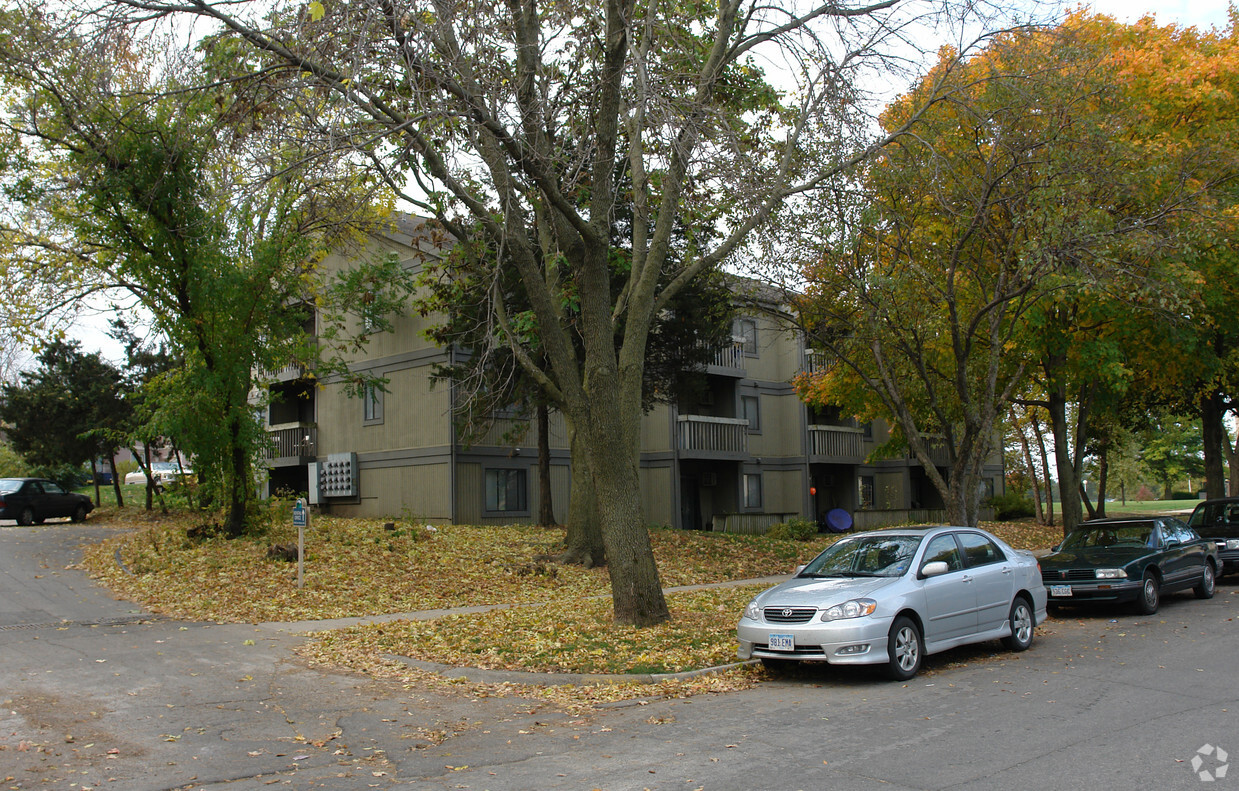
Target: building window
point(372, 405)
point(750, 410)
point(371, 318)
point(752, 490)
point(746, 332)
point(505, 491)
point(866, 491)
point(866, 430)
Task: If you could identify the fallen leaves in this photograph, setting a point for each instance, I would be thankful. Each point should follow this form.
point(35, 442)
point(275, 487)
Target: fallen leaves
point(560, 621)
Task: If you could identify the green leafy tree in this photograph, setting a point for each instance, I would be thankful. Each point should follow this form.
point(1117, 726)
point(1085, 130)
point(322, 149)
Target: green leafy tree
point(61, 414)
point(1172, 452)
point(201, 205)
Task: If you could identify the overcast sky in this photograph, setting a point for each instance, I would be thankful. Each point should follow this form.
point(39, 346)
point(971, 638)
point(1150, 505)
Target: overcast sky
point(1200, 13)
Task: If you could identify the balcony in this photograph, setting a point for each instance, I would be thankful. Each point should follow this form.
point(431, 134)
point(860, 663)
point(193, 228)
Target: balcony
point(837, 442)
point(728, 360)
point(939, 451)
point(296, 444)
point(818, 361)
point(713, 435)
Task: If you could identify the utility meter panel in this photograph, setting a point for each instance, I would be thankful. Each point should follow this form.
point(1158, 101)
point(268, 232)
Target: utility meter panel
point(337, 476)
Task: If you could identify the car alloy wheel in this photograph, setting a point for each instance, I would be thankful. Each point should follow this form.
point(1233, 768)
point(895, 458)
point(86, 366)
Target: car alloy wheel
point(26, 517)
point(1208, 581)
point(1150, 594)
point(1021, 620)
point(904, 646)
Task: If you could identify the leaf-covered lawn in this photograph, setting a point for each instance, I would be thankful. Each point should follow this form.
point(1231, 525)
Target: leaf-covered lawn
point(359, 568)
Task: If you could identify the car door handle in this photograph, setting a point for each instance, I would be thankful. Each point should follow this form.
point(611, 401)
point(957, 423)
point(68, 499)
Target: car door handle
point(966, 578)
point(1006, 569)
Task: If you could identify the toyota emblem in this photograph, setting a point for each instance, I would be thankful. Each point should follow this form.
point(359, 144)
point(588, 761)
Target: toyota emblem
point(787, 612)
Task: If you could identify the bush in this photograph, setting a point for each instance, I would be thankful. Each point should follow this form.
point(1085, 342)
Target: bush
point(794, 530)
point(1183, 496)
point(1011, 505)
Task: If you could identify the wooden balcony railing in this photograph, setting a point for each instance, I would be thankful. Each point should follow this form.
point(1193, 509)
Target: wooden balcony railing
point(296, 442)
point(714, 434)
point(836, 441)
point(731, 355)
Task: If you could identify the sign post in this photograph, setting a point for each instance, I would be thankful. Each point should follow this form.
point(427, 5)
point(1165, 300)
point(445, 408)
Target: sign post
point(301, 518)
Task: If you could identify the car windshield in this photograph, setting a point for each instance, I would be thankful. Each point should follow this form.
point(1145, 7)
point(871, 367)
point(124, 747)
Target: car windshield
point(8, 485)
point(865, 556)
point(1133, 534)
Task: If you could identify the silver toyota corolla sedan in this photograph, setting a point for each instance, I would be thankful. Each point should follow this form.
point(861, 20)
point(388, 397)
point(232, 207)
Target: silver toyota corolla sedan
point(891, 597)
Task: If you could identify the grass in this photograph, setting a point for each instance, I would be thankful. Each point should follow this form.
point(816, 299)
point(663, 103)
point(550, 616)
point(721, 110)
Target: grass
point(562, 621)
point(1141, 507)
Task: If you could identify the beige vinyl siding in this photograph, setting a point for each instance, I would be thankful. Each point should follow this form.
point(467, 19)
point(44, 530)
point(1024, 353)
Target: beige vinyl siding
point(419, 491)
point(524, 430)
point(656, 430)
point(783, 491)
point(657, 503)
point(782, 427)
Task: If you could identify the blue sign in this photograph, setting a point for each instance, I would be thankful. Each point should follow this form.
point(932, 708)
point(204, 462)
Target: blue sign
point(299, 514)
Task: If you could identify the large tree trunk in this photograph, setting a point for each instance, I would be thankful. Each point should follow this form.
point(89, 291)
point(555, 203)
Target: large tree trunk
point(1232, 460)
point(94, 480)
point(1048, 480)
point(1213, 428)
point(238, 484)
point(583, 540)
point(120, 498)
point(546, 505)
point(1103, 475)
point(1032, 470)
point(1066, 458)
point(636, 589)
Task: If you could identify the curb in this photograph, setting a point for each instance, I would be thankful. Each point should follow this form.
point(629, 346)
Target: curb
point(478, 675)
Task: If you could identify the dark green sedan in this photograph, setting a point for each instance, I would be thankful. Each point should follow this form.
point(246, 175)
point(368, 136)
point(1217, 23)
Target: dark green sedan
point(1129, 560)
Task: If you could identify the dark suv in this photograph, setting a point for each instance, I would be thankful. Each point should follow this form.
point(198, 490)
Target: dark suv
point(1218, 521)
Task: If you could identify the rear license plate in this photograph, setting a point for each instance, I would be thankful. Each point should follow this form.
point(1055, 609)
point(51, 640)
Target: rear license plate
point(1060, 590)
point(782, 642)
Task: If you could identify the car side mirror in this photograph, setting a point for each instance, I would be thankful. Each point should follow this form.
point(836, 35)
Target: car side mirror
point(799, 569)
point(1172, 542)
point(935, 568)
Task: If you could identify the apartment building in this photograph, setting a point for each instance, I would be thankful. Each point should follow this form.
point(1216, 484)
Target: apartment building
point(744, 454)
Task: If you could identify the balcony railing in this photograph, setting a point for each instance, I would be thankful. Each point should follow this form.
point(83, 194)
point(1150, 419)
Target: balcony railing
point(939, 452)
point(818, 361)
point(731, 355)
point(296, 442)
point(714, 434)
point(836, 441)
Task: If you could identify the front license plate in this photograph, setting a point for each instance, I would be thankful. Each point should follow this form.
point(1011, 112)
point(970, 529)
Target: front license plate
point(782, 642)
point(1060, 590)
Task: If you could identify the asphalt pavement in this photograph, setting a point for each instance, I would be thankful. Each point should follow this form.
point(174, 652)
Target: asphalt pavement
point(95, 693)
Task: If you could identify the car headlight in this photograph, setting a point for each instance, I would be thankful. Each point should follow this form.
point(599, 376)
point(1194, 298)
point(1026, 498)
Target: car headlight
point(1232, 543)
point(752, 611)
point(855, 608)
point(1111, 574)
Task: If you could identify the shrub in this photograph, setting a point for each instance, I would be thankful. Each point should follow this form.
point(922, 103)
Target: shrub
point(1012, 505)
point(794, 530)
